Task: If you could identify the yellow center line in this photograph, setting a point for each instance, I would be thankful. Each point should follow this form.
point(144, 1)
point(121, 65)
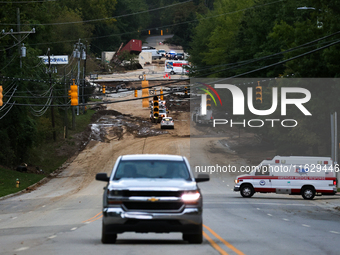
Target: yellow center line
point(215, 245)
point(101, 216)
point(92, 217)
point(224, 241)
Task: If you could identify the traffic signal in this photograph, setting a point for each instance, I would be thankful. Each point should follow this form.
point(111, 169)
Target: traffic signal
point(136, 93)
point(208, 102)
point(155, 107)
point(186, 91)
point(258, 91)
point(1, 96)
point(103, 89)
point(74, 94)
point(145, 92)
point(162, 98)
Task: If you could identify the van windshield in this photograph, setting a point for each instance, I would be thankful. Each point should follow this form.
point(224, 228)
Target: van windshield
point(262, 170)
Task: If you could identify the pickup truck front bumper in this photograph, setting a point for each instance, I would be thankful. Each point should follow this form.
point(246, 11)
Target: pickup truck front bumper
point(116, 220)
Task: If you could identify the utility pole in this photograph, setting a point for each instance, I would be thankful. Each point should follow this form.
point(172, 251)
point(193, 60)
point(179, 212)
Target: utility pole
point(52, 108)
point(84, 73)
point(19, 35)
point(73, 112)
point(66, 108)
point(334, 142)
point(22, 50)
point(79, 53)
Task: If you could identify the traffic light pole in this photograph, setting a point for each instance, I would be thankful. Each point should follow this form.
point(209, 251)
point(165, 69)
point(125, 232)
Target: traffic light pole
point(52, 108)
point(80, 53)
point(66, 108)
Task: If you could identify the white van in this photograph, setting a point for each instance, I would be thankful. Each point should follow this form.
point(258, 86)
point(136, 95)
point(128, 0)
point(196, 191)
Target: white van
point(154, 52)
point(294, 175)
point(175, 66)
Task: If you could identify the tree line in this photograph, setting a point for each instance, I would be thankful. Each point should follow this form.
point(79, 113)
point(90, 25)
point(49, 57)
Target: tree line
point(234, 38)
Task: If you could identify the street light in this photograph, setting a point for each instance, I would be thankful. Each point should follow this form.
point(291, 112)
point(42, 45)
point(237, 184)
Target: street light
point(319, 24)
point(306, 8)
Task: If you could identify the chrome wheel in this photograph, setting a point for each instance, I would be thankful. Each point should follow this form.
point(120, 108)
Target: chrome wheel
point(247, 191)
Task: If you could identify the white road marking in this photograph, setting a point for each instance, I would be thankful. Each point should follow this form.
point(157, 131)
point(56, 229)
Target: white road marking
point(334, 232)
point(269, 214)
point(285, 219)
point(51, 237)
point(22, 249)
point(43, 205)
point(72, 229)
point(307, 226)
point(14, 218)
point(258, 208)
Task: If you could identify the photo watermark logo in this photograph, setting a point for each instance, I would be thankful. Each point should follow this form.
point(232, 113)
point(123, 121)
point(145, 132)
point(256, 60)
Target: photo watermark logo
point(238, 106)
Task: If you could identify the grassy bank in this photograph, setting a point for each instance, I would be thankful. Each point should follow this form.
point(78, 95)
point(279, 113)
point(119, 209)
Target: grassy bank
point(9, 177)
point(47, 157)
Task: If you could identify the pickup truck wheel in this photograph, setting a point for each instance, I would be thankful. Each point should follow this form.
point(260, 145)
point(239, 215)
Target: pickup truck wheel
point(308, 193)
point(172, 72)
point(108, 238)
point(194, 238)
point(247, 191)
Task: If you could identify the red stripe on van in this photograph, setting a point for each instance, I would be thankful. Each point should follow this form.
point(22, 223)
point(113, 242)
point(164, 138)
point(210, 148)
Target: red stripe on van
point(265, 189)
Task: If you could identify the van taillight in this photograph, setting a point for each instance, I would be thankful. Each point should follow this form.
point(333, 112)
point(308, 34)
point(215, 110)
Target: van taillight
point(334, 182)
point(325, 162)
point(277, 161)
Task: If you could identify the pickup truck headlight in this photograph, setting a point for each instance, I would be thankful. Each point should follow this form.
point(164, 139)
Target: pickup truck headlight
point(237, 181)
point(114, 196)
point(191, 197)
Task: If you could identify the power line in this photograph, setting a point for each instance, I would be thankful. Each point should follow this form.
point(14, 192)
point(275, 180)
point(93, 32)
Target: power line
point(275, 54)
point(103, 19)
point(284, 61)
point(162, 27)
point(26, 2)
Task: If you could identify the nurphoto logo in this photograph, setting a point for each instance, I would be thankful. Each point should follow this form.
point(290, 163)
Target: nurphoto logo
point(238, 107)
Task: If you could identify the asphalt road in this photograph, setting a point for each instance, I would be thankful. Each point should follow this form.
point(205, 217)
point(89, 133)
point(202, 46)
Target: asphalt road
point(60, 219)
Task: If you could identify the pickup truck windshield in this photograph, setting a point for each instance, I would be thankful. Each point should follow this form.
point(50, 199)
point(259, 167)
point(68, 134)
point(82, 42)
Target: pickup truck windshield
point(152, 169)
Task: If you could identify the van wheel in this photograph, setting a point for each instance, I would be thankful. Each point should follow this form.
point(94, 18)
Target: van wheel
point(308, 193)
point(247, 191)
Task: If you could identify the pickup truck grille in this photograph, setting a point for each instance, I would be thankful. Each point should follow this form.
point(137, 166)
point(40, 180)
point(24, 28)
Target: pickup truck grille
point(130, 193)
point(154, 206)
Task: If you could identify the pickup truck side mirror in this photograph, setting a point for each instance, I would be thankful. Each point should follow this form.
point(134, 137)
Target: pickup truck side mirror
point(102, 177)
point(202, 178)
